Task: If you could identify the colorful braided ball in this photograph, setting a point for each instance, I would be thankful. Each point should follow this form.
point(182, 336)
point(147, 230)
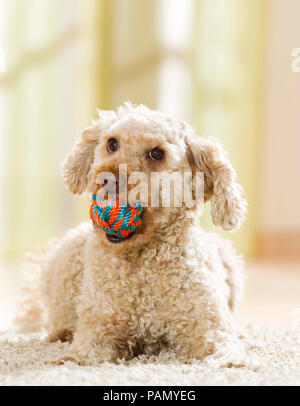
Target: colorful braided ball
point(114, 218)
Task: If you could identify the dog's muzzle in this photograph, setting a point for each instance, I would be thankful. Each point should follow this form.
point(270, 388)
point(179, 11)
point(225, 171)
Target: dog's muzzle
point(118, 220)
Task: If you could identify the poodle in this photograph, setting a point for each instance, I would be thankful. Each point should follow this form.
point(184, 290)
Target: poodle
point(171, 286)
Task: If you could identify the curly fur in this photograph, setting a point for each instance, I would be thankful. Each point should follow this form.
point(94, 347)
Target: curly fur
point(172, 285)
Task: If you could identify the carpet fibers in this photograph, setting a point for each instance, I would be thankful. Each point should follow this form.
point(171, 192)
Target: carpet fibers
point(272, 359)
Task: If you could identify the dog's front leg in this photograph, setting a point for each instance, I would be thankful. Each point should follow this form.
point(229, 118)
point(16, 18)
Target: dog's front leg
point(209, 336)
point(97, 337)
point(228, 348)
point(89, 348)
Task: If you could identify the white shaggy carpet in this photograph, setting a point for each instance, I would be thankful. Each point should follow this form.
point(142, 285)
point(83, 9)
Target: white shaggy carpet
point(273, 359)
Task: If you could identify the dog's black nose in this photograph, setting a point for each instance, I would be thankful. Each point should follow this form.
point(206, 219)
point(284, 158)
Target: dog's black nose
point(111, 184)
point(115, 239)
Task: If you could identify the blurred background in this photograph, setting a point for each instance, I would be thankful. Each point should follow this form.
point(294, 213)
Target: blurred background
point(225, 66)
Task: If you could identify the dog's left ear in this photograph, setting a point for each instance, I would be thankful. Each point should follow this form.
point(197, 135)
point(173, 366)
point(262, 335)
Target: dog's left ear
point(228, 207)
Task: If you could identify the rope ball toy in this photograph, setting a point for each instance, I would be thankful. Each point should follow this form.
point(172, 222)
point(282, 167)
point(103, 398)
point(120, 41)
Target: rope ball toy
point(113, 218)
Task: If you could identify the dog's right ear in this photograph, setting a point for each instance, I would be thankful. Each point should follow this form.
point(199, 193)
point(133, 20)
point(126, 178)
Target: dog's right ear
point(77, 164)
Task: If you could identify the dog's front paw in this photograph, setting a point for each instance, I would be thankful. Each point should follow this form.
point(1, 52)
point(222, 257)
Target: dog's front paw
point(225, 361)
point(91, 356)
point(230, 354)
point(234, 364)
point(71, 358)
point(60, 335)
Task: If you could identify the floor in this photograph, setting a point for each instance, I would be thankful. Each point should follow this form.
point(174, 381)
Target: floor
point(271, 357)
point(272, 294)
point(272, 299)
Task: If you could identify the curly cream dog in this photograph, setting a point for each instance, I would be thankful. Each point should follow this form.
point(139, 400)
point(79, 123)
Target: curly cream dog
point(171, 286)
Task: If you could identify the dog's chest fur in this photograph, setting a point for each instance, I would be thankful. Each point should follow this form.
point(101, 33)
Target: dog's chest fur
point(154, 290)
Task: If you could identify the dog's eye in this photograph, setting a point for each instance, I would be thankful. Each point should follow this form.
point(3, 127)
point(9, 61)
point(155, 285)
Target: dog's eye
point(112, 145)
point(156, 154)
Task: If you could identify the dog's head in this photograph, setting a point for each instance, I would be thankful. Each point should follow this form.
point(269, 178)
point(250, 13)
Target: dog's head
point(146, 144)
